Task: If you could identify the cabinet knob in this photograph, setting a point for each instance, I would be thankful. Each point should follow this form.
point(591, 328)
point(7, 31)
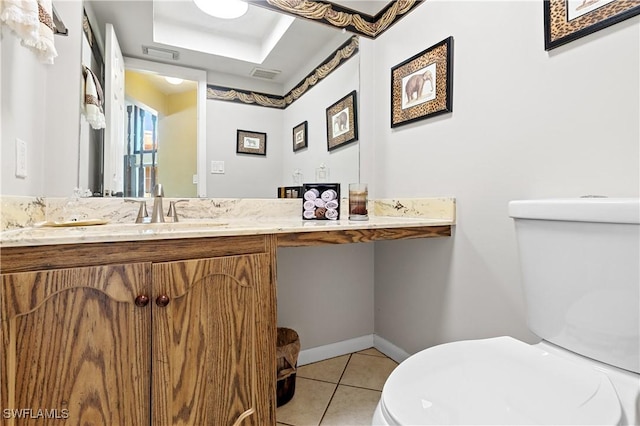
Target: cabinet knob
point(162, 300)
point(142, 301)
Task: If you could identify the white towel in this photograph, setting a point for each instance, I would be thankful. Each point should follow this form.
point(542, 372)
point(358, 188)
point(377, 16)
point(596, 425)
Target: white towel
point(22, 17)
point(32, 21)
point(45, 47)
point(93, 100)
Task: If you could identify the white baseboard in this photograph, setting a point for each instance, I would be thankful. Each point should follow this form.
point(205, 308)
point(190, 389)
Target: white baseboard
point(333, 350)
point(356, 344)
point(389, 349)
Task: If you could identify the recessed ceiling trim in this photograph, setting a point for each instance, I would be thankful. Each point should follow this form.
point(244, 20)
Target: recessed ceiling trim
point(341, 17)
point(175, 29)
point(339, 56)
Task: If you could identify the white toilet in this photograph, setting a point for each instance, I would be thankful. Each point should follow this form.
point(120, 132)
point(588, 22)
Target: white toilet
point(580, 262)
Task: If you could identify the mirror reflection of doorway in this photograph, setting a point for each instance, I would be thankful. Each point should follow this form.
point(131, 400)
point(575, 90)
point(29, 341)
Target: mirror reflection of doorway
point(141, 158)
point(168, 156)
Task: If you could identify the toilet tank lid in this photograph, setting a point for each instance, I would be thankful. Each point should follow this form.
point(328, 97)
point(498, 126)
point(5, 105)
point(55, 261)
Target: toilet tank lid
point(607, 210)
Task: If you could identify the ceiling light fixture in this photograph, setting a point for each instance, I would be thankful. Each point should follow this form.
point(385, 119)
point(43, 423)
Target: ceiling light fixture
point(224, 9)
point(174, 80)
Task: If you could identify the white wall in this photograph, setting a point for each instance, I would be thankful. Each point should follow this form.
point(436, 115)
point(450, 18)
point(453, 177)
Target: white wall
point(326, 293)
point(253, 176)
point(23, 107)
point(525, 124)
point(41, 105)
point(311, 107)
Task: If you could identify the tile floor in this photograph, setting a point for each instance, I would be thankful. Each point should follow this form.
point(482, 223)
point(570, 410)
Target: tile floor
point(341, 391)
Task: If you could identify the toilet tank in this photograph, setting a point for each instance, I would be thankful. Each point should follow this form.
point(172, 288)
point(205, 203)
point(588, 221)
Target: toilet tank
point(580, 262)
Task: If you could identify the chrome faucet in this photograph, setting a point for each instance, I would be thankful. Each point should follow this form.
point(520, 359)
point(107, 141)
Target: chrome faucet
point(157, 215)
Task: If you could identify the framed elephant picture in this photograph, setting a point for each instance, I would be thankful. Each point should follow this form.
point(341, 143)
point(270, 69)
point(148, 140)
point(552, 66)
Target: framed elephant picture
point(342, 122)
point(569, 20)
point(421, 86)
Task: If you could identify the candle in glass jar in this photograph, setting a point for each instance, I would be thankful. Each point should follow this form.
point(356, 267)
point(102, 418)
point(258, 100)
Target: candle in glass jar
point(358, 194)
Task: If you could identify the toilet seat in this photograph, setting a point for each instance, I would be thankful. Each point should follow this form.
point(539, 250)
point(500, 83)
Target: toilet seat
point(497, 381)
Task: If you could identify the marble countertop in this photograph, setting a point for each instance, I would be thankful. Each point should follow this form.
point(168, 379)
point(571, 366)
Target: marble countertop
point(198, 228)
point(201, 218)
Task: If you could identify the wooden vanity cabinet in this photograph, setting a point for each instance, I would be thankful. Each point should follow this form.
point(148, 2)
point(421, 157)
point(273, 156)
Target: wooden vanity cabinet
point(75, 344)
point(174, 337)
point(211, 362)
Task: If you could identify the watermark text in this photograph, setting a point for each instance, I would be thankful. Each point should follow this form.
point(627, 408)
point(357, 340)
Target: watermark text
point(35, 413)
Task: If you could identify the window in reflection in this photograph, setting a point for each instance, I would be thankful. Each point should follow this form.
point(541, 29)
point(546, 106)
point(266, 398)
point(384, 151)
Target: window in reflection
point(141, 158)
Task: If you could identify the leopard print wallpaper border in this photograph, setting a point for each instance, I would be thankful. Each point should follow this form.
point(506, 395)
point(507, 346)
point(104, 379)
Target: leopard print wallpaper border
point(337, 58)
point(341, 17)
point(559, 29)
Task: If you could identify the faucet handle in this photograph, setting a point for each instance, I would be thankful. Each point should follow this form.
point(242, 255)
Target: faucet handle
point(142, 211)
point(173, 212)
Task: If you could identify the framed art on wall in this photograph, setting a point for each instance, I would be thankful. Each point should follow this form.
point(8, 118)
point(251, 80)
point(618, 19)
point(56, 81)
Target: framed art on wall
point(421, 85)
point(568, 20)
point(342, 122)
point(251, 142)
point(300, 136)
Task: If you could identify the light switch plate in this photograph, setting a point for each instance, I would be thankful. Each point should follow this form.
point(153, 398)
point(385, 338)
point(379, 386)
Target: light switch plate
point(217, 167)
point(21, 158)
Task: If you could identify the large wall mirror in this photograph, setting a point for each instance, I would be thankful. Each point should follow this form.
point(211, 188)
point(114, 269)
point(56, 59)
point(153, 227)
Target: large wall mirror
point(181, 136)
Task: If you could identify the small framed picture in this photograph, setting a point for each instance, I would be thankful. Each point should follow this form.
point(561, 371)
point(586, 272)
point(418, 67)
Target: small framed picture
point(300, 136)
point(569, 20)
point(421, 85)
point(251, 143)
point(342, 122)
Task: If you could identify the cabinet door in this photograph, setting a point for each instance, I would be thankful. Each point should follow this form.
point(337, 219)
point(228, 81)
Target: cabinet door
point(214, 342)
point(75, 346)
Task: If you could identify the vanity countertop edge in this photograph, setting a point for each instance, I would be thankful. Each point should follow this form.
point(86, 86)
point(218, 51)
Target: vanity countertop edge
point(287, 231)
point(390, 219)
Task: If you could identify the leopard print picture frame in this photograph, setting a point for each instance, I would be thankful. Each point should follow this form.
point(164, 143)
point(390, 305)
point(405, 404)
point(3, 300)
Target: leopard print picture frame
point(421, 86)
point(342, 122)
point(569, 20)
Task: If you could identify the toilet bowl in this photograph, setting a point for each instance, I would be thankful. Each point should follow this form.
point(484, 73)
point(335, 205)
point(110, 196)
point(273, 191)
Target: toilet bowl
point(580, 261)
point(503, 381)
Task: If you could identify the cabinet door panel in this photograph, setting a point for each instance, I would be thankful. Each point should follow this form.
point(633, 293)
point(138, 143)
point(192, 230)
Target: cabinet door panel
point(75, 346)
point(214, 341)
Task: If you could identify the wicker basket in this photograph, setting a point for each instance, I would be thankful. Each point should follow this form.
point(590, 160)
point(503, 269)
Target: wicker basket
point(287, 361)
